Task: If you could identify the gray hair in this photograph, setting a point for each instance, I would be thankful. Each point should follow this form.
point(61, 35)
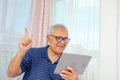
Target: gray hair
point(56, 26)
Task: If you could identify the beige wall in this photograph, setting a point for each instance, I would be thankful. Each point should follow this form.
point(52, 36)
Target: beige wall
point(108, 40)
point(118, 39)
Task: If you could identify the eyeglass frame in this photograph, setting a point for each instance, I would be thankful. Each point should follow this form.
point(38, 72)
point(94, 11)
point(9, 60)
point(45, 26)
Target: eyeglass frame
point(60, 38)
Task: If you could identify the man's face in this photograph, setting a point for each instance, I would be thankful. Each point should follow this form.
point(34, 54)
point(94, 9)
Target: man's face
point(58, 40)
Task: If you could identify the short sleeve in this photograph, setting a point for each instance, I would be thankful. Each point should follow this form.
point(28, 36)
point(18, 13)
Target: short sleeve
point(26, 61)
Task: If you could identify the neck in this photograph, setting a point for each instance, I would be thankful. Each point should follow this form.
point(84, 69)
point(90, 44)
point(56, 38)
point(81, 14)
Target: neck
point(53, 56)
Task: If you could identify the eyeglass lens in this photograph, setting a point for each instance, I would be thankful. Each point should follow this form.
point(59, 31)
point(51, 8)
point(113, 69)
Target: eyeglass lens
point(59, 38)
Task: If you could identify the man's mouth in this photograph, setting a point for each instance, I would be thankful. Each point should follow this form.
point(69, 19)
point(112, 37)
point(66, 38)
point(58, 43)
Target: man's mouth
point(59, 48)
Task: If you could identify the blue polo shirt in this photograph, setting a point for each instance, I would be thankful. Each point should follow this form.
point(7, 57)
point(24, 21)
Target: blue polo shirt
point(37, 65)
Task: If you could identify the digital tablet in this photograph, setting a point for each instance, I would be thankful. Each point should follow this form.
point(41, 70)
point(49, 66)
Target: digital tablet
point(76, 61)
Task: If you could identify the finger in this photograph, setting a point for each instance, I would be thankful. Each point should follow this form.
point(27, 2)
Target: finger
point(73, 72)
point(25, 32)
point(71, 69)
point(24, 42)
point(66, 72)
point(65, 77)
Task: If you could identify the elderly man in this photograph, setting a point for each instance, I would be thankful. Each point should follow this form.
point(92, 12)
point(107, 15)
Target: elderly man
point(40, 63)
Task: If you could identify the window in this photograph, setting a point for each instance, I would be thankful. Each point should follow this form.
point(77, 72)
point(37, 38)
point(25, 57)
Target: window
point(81, 17)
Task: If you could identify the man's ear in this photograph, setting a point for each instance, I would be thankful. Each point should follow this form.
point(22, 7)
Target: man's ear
point(48, 38)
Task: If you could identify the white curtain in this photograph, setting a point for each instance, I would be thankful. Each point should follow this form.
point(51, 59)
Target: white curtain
point(40, 21)
point(81, 17)
point(14, 17)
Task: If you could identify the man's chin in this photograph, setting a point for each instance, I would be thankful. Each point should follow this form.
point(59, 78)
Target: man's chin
point(59, 52)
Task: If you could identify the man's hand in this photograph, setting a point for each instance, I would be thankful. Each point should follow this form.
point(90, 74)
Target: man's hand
point(14, 68)
point(69, 74)
point(25, 43)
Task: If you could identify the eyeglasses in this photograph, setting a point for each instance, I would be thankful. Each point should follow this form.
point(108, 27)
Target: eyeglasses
point(60, 38)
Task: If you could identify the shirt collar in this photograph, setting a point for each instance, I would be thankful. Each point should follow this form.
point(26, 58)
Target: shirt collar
point(44, 52)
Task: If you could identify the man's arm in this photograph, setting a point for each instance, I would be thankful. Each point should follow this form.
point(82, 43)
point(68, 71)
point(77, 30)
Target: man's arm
point(14, 68)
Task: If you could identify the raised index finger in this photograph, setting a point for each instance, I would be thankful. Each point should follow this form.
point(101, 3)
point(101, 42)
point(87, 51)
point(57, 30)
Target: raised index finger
point(25, 32)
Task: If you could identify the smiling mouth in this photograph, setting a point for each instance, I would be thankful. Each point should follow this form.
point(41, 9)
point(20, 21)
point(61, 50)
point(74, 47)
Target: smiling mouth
point(60, 47)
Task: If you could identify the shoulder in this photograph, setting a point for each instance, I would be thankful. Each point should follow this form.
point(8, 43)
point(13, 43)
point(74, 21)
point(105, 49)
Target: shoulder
point(37, 51)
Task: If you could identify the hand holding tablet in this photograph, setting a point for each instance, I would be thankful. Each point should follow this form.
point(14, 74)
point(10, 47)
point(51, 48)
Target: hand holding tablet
point(77, 62)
